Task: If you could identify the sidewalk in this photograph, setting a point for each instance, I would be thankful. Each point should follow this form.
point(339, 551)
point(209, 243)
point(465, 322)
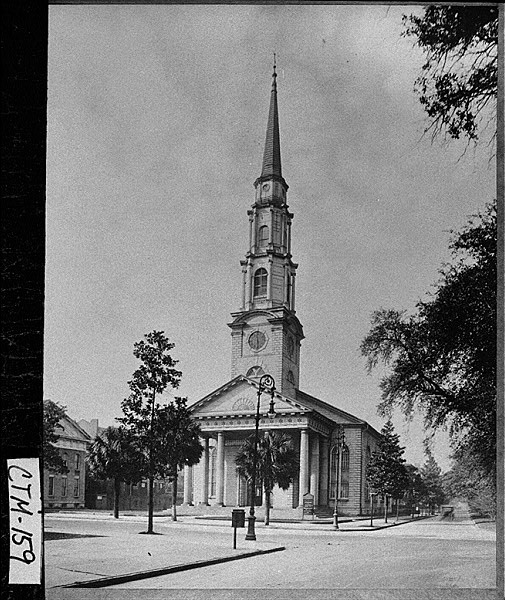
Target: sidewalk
point(95, 560)
point(115, 552)
point(344, 523)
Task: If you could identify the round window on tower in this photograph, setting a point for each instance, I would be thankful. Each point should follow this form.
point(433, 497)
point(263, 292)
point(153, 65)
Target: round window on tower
point(257, 340)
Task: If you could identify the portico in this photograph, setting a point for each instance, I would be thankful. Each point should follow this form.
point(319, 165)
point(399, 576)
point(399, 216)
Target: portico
point(226, 418)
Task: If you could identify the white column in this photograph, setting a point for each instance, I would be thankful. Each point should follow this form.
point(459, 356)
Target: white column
point(220, 469)
point(205, 475)
point(304, 465)
point(244, 286)
point(248, 286)
point(188, 484)
point(250, 213)
point(270, 278)
point(314, 469)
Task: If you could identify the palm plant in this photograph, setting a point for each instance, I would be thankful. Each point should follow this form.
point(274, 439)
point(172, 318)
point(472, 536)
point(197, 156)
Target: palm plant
point(276, 464)
point(113, 455)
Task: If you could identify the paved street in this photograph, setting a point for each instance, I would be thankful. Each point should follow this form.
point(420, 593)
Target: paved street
point(423, 555)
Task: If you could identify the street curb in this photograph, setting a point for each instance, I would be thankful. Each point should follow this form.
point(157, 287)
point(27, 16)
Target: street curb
point(395, 524)
point(117, 579)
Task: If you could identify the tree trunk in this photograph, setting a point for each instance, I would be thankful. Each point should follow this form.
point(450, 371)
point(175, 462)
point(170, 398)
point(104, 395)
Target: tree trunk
point(117, 491)
point(397, 508)
point(385, 508)
point(267, 507)
point(150, 505)
point(174, 498)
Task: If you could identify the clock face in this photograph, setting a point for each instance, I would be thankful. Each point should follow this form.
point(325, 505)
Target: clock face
point(257, 340)
point(266, 187)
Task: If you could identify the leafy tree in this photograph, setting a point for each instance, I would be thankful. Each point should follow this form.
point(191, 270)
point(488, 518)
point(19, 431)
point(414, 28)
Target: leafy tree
point(113, 455)
point(431, 473)
point(415, 490)
point(466, 481)
point(178, 444)
point(442, 359)
point(459, 77)
point(141, 409)
point(385, 472)
point(53, 414)
point(277, 463)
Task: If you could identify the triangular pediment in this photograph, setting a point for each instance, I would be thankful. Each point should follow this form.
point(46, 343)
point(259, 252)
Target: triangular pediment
point(239, 397)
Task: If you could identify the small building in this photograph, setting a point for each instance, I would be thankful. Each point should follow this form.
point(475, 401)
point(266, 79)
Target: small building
point(266, 339)
point(67, 490)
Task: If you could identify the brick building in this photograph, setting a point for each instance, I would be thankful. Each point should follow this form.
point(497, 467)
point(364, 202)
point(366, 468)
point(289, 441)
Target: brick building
point(266, 339)
point(67, 490)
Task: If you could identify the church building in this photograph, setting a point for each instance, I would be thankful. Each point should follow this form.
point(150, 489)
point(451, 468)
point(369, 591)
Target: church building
point(266, 338)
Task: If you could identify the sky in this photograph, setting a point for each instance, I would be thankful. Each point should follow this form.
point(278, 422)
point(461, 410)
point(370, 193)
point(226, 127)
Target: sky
point(156, 126)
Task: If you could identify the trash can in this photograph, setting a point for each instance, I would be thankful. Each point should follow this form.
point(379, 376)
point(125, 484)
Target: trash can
point(238, 517)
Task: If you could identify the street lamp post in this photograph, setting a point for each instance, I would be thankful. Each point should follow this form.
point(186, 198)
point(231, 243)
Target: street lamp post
point(266, 383)
point(340, 444)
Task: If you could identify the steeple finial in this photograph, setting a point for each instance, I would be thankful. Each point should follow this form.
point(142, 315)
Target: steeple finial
point(272, 154)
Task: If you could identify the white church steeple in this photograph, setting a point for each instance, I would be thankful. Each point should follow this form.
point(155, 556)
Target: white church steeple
point(266, 334)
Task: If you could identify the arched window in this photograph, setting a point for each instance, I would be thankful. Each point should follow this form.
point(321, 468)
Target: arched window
point(260, 283)
point(263, 236)
point(290, 377)
point(343, 472)
point(333, 471)
point(255, 371)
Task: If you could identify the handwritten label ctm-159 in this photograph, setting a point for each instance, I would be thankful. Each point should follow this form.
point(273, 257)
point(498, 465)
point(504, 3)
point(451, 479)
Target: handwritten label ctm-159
point(25, 518)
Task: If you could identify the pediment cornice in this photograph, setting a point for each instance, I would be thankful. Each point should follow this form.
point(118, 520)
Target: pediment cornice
point(238, 398)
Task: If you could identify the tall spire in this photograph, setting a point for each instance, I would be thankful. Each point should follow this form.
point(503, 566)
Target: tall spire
point(272, 154)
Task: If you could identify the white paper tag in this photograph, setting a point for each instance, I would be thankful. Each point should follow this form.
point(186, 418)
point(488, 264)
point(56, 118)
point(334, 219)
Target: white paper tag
point(25, 518)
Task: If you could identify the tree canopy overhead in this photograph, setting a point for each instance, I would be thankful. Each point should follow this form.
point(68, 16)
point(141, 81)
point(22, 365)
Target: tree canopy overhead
point(459, 76)
point(442, 359)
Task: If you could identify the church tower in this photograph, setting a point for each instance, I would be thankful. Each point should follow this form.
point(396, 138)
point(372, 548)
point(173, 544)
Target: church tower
point(266, 334)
